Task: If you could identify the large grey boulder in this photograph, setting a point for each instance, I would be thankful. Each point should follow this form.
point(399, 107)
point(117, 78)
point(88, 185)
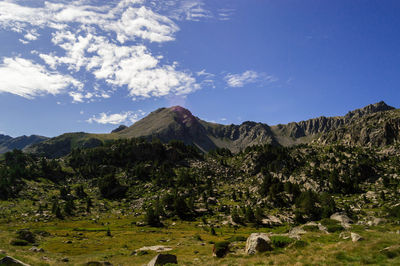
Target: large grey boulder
point(162, 259)
point(257, 242)
point(10, 261)
point(342, 218)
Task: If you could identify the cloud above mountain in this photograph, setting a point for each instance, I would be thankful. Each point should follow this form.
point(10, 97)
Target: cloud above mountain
point(248, 77)
point(117, 118)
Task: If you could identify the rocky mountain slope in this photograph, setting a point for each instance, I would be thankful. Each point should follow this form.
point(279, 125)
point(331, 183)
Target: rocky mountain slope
point(8, 143)
point(178, 123)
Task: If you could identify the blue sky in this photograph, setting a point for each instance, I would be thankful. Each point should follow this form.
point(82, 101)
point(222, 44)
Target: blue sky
point(91, 65)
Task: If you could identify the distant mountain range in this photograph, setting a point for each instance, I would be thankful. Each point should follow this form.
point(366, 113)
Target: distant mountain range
point(374, 125)
point(8, 143)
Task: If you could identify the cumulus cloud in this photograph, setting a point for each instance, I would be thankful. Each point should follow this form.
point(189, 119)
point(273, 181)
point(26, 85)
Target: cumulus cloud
point(107, 41)
point(118, 118)
point(247, 77)
point(25, 78)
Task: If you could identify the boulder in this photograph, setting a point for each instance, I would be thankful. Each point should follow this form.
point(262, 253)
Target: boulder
point(376, 221)
point(258, 242)
point(10, 261)
point(162, 259)
point(271, 221)
point(36, 249)
point(159, 248)
point(342, 218)
point(356, 237)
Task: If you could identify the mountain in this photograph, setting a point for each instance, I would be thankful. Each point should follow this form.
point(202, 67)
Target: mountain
point(302, 131)
point(8, 143)
point(178, 123)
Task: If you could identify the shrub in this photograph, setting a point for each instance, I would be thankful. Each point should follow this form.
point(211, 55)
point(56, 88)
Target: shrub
point(328, 221)
point(197, 237)
point(395, 212)
point(221, 248)
point(300, 244)
point(152, 218)
point(311, 228)
point(26, 235)
point(19, 242)
point(334, 228)
point(281, 241)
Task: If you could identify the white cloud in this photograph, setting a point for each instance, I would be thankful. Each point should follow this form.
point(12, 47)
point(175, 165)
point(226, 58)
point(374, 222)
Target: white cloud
point(247, 77)
point(131, 66)
point(118, 118)
point(128, 20)
point(79, 97)
point(24, 78)
point(107, 41)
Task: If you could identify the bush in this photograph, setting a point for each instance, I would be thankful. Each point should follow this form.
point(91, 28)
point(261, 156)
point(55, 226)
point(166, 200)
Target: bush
point(395, 212)
point(300, 244)
point(26, 235)
point(311, 228)
point(327, 222)
point(281, 241)
point(19, 242)
point(334, 228)
point(332, 225)
point(152, 218)
point(221, 248)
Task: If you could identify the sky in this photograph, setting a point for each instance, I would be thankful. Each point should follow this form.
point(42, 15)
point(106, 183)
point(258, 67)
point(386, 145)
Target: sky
point(92, 65)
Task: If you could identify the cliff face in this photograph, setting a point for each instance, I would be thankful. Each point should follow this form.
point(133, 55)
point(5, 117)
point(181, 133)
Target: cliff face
point(377, 129)
point(327, 124)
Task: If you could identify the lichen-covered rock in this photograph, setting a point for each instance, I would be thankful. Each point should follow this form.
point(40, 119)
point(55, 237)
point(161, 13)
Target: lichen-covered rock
point(257, 242)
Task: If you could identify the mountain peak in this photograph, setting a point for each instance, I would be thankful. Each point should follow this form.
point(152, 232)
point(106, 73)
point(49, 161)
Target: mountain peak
point(369, 109)
point(183, 115)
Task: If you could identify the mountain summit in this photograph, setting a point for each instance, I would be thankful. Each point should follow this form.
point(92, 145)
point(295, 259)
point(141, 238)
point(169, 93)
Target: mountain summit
point(178, 123)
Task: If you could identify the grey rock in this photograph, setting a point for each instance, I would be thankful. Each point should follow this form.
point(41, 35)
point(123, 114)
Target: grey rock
point(162, 259)
point(10, 261)
point(356, 237)
point(36, 249)
point(342, 218)
point(257, 242)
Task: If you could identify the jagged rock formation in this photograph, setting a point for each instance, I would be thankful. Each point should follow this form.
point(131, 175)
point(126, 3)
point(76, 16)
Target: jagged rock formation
point(377, 129)
point(290, 133)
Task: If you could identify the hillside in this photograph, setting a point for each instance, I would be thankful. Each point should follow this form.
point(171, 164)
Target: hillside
point(178, 123)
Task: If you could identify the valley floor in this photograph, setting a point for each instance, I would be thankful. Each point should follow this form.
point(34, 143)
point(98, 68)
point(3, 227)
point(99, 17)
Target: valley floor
point(85, 239)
